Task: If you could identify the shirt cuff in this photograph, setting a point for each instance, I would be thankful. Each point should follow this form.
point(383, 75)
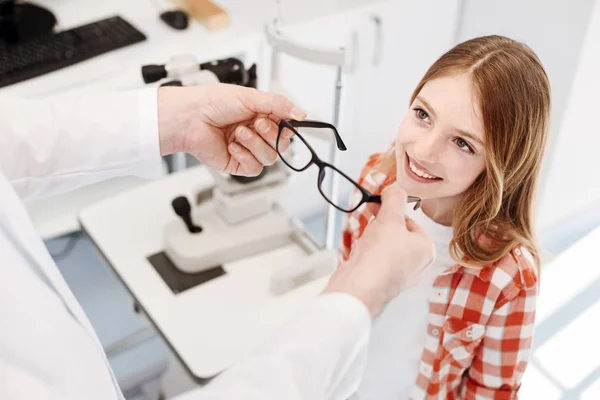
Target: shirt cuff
point(148, 132)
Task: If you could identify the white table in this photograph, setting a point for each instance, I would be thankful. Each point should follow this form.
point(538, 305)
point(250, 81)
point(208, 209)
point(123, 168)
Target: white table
point(210, 326)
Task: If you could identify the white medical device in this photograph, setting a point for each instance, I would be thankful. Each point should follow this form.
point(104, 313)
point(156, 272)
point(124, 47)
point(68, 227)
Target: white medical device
point(341, 59)
point(237, 220)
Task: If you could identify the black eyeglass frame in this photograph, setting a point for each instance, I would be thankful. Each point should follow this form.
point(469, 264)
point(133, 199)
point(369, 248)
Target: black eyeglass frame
point(367, 197)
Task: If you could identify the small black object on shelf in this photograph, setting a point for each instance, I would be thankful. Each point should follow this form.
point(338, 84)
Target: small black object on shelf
point(176, 19)
point(153, 73)
point(24, 21)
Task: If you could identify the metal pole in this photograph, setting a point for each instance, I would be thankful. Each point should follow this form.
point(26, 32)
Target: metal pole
point(179, 162)
point(334, 155)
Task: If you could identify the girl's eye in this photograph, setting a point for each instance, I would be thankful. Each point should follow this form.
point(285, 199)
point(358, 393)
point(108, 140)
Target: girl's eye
point(421, 114)
point(464, 146)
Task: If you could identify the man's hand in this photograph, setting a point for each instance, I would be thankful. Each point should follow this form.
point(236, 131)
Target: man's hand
point(392, 250)
point(230, 128)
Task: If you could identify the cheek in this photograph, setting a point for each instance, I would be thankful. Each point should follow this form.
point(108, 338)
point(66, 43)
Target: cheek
point(464, 169)
point(405, 131)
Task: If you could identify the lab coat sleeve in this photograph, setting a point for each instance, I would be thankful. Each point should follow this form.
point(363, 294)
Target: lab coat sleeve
point(319, 355)
point(57, 144)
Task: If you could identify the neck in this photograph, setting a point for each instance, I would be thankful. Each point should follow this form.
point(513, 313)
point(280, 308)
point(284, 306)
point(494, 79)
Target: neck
point(440, 210)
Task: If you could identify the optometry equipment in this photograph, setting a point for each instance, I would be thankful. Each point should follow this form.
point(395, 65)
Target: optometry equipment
point(341, 59)
point(236, 219)
point(186, 70)
point(229, 70)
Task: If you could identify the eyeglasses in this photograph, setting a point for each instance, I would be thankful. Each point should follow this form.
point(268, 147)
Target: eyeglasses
point(304, 156)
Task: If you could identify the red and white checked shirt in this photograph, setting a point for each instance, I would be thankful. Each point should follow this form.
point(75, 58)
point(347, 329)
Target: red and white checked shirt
point(480, 327)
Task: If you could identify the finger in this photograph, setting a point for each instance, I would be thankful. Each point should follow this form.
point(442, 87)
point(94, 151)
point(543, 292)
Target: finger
point(412, 226)
point(284, 143)
point(272, 104)
point(248, 165)
point(373, 208)
point(267, 130)
point(261, 150)
point(393, 201)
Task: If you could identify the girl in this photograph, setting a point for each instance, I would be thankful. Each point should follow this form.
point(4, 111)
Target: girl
point(471, 147)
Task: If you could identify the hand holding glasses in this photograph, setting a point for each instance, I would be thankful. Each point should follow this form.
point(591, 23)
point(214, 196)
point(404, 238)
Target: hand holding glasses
point(305, 156)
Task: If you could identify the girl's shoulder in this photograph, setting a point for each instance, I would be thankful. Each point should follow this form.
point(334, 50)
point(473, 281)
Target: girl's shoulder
point(515, 274)
point(375, 176)
point(370, 165)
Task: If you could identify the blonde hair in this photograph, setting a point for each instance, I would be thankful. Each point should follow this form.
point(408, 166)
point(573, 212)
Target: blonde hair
point(496, 213)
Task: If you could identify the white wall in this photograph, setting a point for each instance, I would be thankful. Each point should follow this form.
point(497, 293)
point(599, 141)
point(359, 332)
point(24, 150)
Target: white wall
point(555, 30)
point(572, 176)
point(414, 34)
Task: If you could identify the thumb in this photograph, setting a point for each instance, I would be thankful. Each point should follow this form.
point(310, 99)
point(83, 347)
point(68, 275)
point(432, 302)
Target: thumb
point(272, 104)
point(393, 201)
point(412, 226)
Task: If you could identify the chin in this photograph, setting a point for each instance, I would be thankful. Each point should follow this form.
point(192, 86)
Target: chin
point(412, 188)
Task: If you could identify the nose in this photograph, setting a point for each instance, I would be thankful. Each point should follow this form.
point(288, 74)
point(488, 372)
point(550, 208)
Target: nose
point(428, 148)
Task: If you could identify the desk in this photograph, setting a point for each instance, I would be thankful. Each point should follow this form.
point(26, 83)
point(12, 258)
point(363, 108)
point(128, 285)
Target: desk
point(120, 69)
point(211, 326)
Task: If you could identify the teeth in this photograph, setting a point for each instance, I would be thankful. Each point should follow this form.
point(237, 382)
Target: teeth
point(417, 171)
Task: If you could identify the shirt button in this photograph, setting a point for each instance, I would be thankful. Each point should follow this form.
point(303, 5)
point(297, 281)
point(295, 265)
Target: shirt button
point(435, 332)
point(469, 333)
point(518, 252)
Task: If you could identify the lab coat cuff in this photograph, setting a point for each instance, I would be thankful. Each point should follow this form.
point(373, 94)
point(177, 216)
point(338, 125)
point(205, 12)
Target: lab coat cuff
point(148, 132)
point(354, 311)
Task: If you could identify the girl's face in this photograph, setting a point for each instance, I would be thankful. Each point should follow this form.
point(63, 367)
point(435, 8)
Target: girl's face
point(440, 143)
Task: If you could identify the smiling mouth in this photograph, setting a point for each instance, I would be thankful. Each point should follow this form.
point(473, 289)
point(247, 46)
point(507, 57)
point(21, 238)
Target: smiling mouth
point(417, 172)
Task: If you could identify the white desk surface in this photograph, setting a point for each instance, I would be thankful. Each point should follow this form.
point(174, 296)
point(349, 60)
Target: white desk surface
point(210, 326)
point(120, 69)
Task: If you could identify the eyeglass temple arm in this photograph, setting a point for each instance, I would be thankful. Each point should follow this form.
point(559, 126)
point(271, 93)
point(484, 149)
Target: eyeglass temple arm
point(375, 198)
point(318, 124)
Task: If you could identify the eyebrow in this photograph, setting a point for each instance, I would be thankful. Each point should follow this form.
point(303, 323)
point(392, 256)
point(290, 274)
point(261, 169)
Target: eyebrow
point(460, 131)
point(470, 136)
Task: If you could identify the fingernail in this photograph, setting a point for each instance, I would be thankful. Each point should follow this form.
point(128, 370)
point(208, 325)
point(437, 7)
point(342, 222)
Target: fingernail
point(298, 113)
point(244, 133)
point(235, 147)
point(263, 126)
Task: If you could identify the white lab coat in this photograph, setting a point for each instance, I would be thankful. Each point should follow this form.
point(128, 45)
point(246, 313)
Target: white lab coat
point(48, 348)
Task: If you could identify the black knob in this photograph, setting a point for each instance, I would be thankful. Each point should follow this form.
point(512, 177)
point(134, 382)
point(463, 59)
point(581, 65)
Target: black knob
point(182, 207)
point(153, 73)
point(229, 70)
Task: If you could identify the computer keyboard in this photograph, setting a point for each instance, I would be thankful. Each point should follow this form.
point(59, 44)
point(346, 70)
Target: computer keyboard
point(48, 53)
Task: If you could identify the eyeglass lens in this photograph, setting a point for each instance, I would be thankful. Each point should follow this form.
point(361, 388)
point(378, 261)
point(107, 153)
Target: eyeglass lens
point(347, 197)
